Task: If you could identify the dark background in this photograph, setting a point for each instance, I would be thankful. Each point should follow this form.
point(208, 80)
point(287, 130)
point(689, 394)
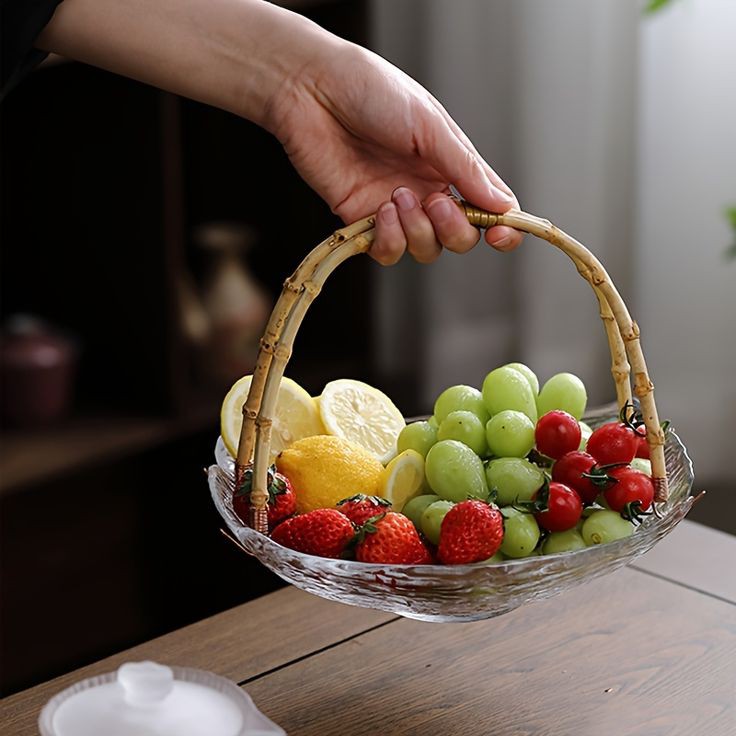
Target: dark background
point(108, 533)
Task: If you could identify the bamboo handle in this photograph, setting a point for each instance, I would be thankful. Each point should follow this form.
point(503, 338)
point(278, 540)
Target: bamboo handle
point(302, 287)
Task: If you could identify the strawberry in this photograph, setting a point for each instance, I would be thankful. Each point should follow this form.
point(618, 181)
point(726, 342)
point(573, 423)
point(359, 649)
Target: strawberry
point(322, 532)
point(391, 539)
point(281, 498)
point(360, 508)
point(471, 531)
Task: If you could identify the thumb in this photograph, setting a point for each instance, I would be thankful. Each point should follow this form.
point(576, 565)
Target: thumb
point(465, 169)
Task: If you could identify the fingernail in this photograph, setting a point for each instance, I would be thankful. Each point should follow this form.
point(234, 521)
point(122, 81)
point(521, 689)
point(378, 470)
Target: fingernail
point(501, 242)
point(404, 199)
point(388, 214)
point(441, 210)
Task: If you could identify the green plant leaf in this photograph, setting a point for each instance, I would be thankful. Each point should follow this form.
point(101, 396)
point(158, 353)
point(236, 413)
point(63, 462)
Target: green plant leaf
point(653, 6)
point(731, 216)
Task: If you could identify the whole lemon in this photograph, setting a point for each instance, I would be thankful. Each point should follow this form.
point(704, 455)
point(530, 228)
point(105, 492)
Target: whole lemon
point(324, 469)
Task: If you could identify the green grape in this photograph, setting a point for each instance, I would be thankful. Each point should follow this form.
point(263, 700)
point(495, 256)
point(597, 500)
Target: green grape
point(414, 508)
point(528, 373)
point(460, 398)
point(563, 391)
point(567, 541)
point(588, 511)
point(585, 432)
point(605, 526)
point(510, 434)
point(641, 463)
point(432, 421)
point(498, 557)
point(431, 519)
point(513, 478)
point(419, 436)
point(506, 388)
point(454, 472)
point(465, 427)
point(520, 533)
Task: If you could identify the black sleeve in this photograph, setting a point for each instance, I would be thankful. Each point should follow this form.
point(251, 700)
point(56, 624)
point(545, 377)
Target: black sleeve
point(20, 23)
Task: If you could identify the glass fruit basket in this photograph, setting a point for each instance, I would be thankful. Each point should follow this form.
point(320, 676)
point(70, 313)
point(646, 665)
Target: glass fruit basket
point(432, 592)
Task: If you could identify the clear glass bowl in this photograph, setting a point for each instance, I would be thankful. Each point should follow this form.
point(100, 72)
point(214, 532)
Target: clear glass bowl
point(460, 592)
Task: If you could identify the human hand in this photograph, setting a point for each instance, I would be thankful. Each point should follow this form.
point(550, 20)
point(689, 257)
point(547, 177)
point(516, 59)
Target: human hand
point(368, 138)
point(363, 134)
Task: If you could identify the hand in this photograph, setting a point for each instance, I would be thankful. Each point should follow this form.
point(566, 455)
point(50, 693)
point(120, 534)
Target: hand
point(368, 138)
point(364, 135)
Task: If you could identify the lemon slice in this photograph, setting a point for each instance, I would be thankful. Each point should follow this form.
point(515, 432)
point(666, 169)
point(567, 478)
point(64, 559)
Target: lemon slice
point(403, 479)
point(361, 413)
point(295, 415)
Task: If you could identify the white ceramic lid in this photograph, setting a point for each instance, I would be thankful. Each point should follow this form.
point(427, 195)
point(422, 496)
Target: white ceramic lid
point(149, 699)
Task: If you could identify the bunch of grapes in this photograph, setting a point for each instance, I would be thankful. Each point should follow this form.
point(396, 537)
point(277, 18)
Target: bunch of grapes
point(525, 450)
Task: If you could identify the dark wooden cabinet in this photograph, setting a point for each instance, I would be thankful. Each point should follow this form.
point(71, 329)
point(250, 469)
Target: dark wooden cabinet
point(108, 533)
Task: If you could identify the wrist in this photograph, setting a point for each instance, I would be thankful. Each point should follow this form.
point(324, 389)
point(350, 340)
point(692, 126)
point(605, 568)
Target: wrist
point(281, 57)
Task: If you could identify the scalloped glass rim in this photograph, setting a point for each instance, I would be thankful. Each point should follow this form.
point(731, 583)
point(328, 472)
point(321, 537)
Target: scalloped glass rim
point(460, 592)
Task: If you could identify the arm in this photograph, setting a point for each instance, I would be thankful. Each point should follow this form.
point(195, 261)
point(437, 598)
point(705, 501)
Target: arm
point(364, 135)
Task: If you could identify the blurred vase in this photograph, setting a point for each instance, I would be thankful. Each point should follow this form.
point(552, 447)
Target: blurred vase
point(237, 306)
point(37, 368)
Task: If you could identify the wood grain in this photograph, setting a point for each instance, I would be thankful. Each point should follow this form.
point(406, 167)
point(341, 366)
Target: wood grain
point(628, 654)
point(697, 556)
point(294, 623)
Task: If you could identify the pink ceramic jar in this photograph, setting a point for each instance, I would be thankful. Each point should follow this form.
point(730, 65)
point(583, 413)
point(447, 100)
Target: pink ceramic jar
point(37, 368)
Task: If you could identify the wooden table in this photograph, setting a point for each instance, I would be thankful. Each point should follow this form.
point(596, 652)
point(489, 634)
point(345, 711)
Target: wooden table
point(649, 650)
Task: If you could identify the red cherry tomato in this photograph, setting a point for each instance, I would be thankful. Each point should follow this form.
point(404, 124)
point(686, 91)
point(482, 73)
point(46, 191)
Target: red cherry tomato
point(631, 487)
point(569, 470)
point(613, 443)
point(564, 508)
point(557, 433)
point(642, 447)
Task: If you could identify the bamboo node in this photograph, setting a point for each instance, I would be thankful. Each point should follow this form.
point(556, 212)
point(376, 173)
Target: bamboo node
point(642, 384)
point(633, 333)
point(362, 243)
point(290, 285)
point(596, 278)
point(584, 271)
point(263, 422)
point(267, 347)
point(249, 413)
point(655, 439)
point(282, 352)
point(312, 288)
